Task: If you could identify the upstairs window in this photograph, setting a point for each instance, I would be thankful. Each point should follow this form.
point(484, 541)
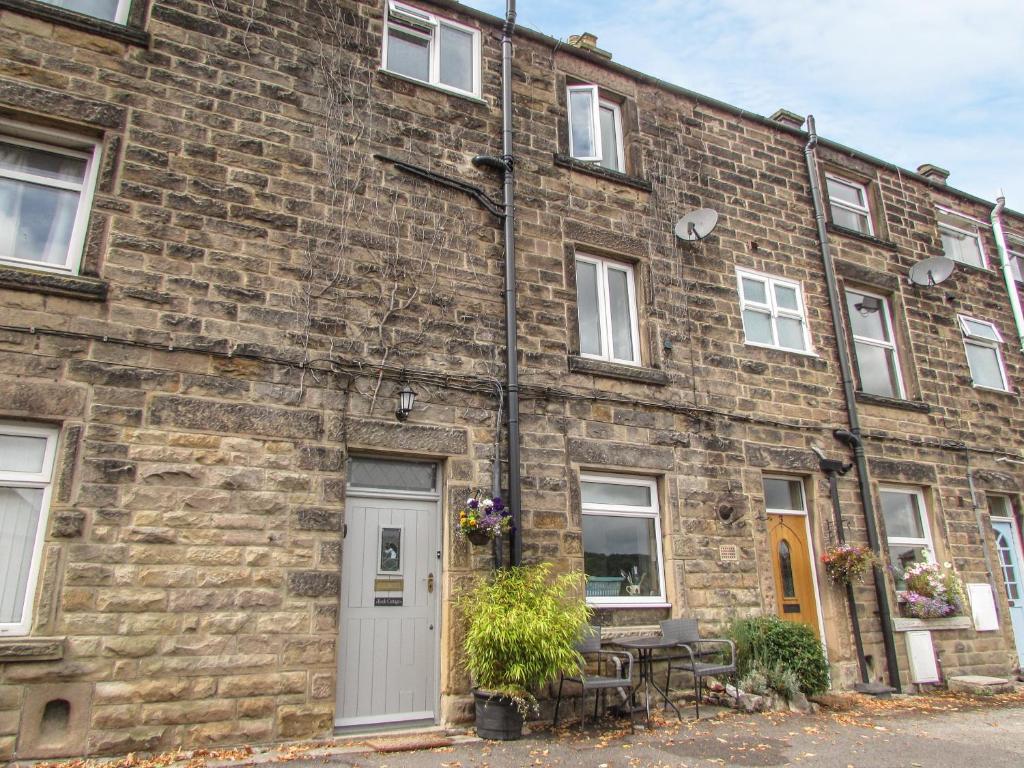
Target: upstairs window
point(982, 342)
point(906, 528)
point(606, 304)
point(108, 10)
point(1015, 255)
point(961, 240)
point(848, 205)
point(595, 128)
point(438, 51)
point(877, 359)
point(46, 184)
point(26, 468)
point(773, 312)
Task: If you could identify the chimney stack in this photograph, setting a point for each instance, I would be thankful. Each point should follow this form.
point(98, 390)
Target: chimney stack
point(792, 119)
point(588, 42)
point(933, 172)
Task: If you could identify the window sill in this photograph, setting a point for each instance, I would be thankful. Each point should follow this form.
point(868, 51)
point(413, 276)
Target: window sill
point(625, 604)
point(900, 624)
point(432, 86)
point(993, 390)
point(578, 364)
point(603, 173)
point(837, 230)
point(787, 350)
point(74, 286)
point(123, 33)
point(893, 402)
point(13, 649)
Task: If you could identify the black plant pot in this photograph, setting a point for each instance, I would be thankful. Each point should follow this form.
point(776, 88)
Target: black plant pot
point(497, 717)
point(478, 537)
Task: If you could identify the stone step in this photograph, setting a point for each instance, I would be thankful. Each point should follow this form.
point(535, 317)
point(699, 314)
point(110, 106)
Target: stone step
point(979, 685)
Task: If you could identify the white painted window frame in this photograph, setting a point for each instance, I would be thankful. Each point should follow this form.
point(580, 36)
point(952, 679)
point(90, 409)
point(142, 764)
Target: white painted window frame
point(427, 26)
point(774, 310)
point(604, 308)
point(64, 143)
point(597, 103)
point(922, 511)
point(623, 510)
point(1015, 253)
point(864, 210)
point(44, 480)
point(974, 233)
point(901, 391)
point(973, 339)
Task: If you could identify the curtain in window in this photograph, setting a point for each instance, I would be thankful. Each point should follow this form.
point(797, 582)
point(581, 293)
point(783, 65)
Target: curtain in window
point(19, 521)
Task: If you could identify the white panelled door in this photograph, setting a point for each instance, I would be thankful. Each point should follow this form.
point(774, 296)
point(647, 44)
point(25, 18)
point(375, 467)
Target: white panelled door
point(390, 579)
point(1010, 562)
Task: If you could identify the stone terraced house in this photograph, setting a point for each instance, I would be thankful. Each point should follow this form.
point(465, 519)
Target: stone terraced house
point(229, 235)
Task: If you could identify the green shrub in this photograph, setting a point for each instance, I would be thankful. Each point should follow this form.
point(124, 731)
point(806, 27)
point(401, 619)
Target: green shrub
point(770, 644)
point(522, 626)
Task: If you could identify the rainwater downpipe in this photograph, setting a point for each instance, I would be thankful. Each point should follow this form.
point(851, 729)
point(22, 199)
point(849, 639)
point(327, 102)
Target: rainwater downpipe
point(512, 338)
point(1004, 262)
point(851, 438)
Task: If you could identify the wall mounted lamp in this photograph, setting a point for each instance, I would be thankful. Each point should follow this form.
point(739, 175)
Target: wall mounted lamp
point(406, 400)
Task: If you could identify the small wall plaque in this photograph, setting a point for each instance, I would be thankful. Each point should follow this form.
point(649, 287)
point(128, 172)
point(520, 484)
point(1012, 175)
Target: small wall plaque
point(728, 553)
point(386, 601)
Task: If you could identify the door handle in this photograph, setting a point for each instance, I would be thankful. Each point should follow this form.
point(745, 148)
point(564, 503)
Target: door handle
point(430, 583)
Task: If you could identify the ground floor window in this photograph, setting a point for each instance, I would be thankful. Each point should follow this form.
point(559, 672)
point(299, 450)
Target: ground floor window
point(26, 468)
point(906, 527)
point(622, 540)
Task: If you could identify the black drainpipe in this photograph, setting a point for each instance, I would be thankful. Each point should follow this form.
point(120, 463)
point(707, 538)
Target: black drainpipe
point(852, 438)
point(512, 337)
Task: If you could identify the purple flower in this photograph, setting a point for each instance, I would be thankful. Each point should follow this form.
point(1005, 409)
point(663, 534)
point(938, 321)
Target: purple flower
point(473, 503)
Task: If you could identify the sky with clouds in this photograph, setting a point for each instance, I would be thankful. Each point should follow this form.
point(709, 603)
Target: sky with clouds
point(909, 81)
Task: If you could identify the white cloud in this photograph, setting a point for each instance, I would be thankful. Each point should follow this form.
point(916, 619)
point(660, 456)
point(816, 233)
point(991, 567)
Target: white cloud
point(916, 81)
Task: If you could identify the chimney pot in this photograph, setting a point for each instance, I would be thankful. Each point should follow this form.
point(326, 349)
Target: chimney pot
point(933, 172)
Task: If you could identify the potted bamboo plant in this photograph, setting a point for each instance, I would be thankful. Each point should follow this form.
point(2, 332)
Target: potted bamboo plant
point(521, 629)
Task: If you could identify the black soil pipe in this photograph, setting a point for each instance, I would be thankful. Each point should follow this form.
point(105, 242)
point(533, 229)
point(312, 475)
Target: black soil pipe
point(833, 469)
point(851, 438)
point(512, 337)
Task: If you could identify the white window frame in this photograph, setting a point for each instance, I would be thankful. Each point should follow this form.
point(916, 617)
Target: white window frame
point(44, 480)
point(974, 232)
point(922, 510)
point(864, 210)
point(901, 392)
point(774, 310)
point(1015, 255)
point(64, 143)
point(604, 310)
point(621, 510)
point(994, 342)
point(420, 23)
point(597, 103)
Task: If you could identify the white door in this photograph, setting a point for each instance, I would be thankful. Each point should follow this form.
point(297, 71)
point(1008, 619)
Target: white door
point(1010, 561)
point(390, 578)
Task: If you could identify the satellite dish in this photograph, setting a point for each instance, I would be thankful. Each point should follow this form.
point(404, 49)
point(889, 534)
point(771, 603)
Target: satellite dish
point(931, 271)
point(696, 225)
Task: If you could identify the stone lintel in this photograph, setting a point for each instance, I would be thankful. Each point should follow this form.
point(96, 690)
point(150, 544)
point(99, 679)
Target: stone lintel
point(31, 649)
point(604, 453)
point(905, 471)
point(774, 457)
point(234, 418)
point(415, 438)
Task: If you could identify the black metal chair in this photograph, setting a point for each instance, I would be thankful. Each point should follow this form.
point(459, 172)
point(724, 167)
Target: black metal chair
point(694, 650)
point(611, 670)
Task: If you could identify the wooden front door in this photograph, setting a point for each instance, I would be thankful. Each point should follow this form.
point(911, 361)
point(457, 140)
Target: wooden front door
point(793, 569)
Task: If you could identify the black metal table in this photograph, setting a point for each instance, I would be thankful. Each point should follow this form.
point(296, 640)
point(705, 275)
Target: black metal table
point(645, 648)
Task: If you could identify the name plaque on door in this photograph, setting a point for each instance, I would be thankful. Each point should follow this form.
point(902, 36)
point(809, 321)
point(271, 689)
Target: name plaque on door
point(386, 601)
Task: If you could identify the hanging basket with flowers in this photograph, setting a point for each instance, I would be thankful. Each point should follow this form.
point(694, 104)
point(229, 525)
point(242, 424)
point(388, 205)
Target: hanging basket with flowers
point(483, 519)
point(847, 563)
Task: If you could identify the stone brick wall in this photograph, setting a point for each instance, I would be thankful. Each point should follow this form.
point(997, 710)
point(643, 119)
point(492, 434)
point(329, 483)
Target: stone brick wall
point(256, 284)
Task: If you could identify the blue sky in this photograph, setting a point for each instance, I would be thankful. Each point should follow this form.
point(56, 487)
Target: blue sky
point(909, 81)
